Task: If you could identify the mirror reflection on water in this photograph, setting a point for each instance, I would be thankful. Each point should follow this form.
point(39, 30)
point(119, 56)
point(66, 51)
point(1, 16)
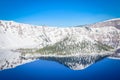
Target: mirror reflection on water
point(106, 69)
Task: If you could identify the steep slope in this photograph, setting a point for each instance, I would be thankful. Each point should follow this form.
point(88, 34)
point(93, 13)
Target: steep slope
point(75, 47)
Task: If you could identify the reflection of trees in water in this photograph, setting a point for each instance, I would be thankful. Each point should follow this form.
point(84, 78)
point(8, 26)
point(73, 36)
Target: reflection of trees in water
point(75, 60)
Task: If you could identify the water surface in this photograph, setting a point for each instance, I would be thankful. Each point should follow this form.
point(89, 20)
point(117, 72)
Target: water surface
point(106, 69)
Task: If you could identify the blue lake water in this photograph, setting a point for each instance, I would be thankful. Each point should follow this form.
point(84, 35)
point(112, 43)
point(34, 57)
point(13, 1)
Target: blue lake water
point(106, 69)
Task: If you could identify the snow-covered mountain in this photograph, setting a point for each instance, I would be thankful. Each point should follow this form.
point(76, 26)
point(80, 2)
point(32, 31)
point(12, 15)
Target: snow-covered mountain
point(75, 47)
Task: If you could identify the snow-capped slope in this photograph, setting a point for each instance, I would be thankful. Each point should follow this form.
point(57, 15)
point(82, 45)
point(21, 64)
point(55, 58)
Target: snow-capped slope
point(91, 43)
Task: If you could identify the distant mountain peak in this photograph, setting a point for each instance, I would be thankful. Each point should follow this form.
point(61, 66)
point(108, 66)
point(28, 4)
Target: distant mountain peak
point(115, 19)
point(108, 23)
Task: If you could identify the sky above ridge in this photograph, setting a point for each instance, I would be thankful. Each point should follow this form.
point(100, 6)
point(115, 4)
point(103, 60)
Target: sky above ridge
point(59, 12)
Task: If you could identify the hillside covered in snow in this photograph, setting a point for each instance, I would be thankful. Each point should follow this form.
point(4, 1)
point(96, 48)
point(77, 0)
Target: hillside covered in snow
point(74, 47)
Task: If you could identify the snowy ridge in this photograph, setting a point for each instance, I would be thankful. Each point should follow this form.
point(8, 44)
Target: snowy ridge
point(113, 19)
point(75, 47)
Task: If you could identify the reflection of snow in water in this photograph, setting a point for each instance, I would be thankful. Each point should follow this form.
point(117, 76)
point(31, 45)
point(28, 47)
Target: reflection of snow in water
point(10, 59)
